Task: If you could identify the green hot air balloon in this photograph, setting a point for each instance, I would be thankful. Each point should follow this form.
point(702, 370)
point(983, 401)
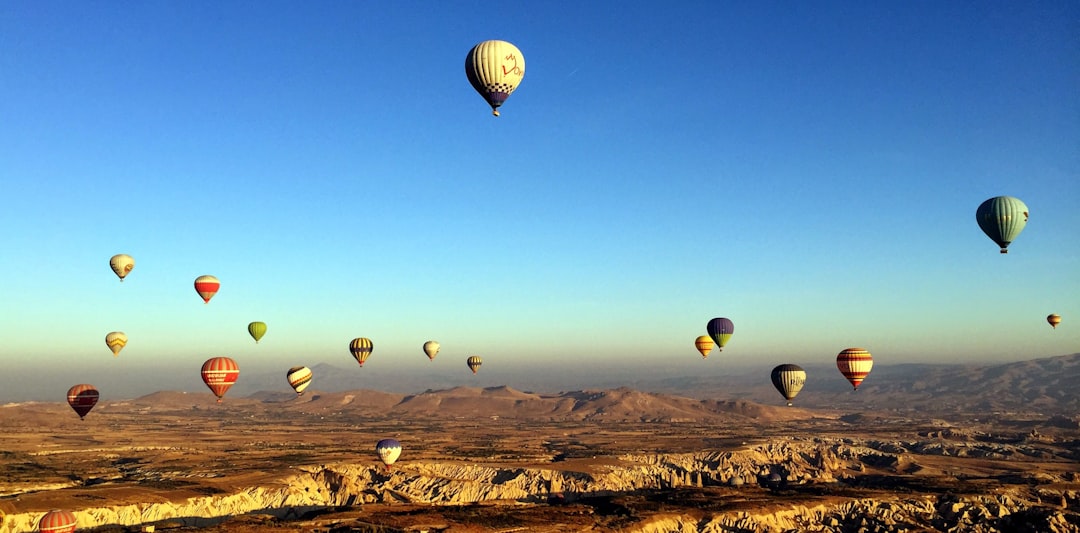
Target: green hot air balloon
point(257, 330)
point(1002, 218)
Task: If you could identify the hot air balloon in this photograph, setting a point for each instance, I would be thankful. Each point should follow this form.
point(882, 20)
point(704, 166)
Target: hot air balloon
point(57, 521)
point(257, 330)
point(299, 378)
point(82, 398)
point(431, 348)
point(854, 364)
point(1053, 320)
point(720, 329)
point(704, 345)
point(220, 373)
point(789, 380)
point(122, 264)
point(361, 349)
point(495, 69)
point(1002, 218)
point(207, 287)
point(388, 450)
point(474, 362)
point(116, 342)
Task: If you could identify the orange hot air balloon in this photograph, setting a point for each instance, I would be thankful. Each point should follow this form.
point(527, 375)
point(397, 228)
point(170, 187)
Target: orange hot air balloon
point(82, 398)
point(1053, 320)
point(220, 373)
point(704, 345)
point(207, 287)
point(854, 364)
point(57, 521)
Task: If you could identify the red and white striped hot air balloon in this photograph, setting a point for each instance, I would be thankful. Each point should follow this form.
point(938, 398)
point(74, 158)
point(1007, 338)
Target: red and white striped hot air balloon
point(207, 287)
point(57, 521)
point(220, 373)
point(854, 364)
point(82, 398)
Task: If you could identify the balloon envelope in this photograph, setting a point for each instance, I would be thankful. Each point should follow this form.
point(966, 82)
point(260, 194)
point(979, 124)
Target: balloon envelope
point(361, 348)
point(1053, 320)
point(299, 378)
point(388, 450)
point(495, 68)
point(720, 329)
point(57, 521)
point(474, 362)
point(431, 349)
point(220, 373)
point(207, 287)
point(257, 330)
point(121, 265)
point(704, 345)
point(789, 380)
point(854, 364)
point(82, 398)
point(1002, 218)
point(116, 342)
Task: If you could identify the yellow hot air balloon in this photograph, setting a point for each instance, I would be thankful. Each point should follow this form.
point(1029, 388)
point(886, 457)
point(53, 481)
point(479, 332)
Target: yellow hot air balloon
point(122, 264)
point(495, 68)
point(361, 348)
point(474, 362)
point(704, 345)
point(1053, 320)
point(116, 342)
point(431, 349)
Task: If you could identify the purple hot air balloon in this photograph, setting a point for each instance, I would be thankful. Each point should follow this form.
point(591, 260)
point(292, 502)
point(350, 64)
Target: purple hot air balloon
point(720, 329)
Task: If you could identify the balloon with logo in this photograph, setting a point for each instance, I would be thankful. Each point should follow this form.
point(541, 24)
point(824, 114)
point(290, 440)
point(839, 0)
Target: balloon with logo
point(1002, 218)
point(58, 521)
point(431, 349)
point(474, 362)
point(207, 287)
point(704, 345)
point(388, 450)
point(121, 265)
point(854, 364)
point(495, 68)
point(116, 342)
point(82, 398)
point(257, 330)
point(220, 373)
point(361, 348)
point(789, 380)
point(299, 378)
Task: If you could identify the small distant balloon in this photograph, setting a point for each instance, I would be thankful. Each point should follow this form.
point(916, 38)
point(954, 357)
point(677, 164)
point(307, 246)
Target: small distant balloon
point(207, 287)
point(1053, 320)
point(299, 378)
point(220, 373)
point(361, 348)
point(720, 330)
point(789, 380)
point(82, 398)
point(388, 450)
point(57, 521)
point(1002, 218)
point(122, 264)
point(116, 342)
point(474, 362)
point(257, 330)
point(431, 349)
point(494, 69)
point(854, 364)
point(704, 345)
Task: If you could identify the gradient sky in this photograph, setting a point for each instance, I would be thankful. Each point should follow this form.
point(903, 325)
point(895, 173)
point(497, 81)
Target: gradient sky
point(810, 170)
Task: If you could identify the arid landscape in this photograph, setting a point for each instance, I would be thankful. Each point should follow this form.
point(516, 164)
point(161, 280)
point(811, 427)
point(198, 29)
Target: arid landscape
point(966, 448)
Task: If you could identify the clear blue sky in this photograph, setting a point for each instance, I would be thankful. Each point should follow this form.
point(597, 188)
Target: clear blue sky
point(808, 169)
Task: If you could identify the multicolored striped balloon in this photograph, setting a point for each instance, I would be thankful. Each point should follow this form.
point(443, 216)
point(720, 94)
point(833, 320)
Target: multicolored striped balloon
point(361, 348)
point(116, 342)
point(82, 398)
point(57, 521)
point(207, 287)
point(704, 345)
point(220, 373)
point(474, 362)
point(854, 364)
point(299, 378)
point(789, 380)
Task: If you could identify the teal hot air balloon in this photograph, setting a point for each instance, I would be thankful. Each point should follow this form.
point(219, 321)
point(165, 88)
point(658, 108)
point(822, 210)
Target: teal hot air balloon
point(1002, 218)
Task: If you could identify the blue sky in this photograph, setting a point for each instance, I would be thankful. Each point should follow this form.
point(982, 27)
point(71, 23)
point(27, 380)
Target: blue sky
point(809, 170)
